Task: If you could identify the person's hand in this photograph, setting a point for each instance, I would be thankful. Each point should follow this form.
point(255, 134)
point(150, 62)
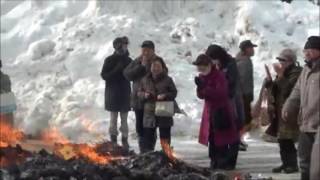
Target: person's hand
point(198, 81)
point(161, 96)
point(279, 69)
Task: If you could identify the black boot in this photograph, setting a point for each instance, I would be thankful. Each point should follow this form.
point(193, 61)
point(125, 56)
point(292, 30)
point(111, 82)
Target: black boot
point(284, 161)
point(278, 169)
point(243, 146)
point(292, 164)
point(213, 165)
point(125, 143)
point(305, 176)
point(141, 144)
point(113, 139)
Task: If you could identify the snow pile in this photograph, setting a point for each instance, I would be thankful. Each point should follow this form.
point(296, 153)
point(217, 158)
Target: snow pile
point(40, 48)
point(54, 50)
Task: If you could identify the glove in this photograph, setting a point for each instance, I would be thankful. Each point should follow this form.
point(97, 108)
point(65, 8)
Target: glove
point(198, 81)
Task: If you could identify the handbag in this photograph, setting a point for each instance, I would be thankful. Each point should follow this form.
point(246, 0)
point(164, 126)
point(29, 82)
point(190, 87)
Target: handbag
point(164, 109)
point(7, 102)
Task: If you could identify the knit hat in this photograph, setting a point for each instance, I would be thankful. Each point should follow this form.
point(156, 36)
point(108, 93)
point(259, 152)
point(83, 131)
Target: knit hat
point(287, 55)
point(313, 42)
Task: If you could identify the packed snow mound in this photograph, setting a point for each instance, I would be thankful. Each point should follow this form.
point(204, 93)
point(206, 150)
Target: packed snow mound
point(40, 48)
point(54, 50)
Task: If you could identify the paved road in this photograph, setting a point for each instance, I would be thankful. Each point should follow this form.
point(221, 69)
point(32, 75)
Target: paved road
point(260, 158)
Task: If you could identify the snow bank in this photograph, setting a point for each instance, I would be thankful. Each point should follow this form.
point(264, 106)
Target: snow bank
point(54, 50)
point(41, 48)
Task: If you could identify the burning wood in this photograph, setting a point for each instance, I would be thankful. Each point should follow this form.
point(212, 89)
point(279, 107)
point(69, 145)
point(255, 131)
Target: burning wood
point(83, 161)
point(9, 135)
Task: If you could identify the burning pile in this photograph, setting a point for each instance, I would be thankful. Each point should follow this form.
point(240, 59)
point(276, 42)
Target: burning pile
point(8, 135)
point(65, 160)
point(149, 166)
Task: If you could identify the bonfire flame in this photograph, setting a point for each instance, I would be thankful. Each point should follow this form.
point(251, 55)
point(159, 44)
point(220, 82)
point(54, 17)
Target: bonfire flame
point(9, 135)
point(168, 150)
point(67, 150)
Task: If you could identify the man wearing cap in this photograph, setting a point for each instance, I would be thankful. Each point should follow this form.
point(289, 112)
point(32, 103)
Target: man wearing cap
point(304, 102)
point(117, 90)
point(280, 89)
point(135, 72)
point(245, 68)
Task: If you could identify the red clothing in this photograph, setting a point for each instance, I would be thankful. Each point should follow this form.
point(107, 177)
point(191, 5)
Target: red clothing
point(215, 93)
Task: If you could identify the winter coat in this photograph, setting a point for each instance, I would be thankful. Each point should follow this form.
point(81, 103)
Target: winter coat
point(280, 90)
point(117, 89)
point(315, 156)
point(5, 83)
point(163, 84)
point(218, 119)
point(245, 68)
point(135, 72)
point(229, 67)
point(305, 99)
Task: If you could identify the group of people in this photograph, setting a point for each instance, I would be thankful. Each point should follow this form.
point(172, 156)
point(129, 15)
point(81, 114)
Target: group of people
point(226, 85)
point(151, 84)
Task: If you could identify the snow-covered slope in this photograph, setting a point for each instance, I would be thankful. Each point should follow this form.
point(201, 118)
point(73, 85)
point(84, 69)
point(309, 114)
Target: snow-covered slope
point(54, 50)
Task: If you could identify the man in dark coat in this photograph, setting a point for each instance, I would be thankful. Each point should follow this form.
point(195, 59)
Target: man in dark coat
point(135, 71)
point(287, 132)
point(118, 89)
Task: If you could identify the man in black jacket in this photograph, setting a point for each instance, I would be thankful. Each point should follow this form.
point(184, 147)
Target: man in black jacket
point(137, 70)
point(118, 90)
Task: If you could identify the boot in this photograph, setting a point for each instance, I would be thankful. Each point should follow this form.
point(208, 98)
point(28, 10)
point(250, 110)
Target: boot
point(291, 169)
point(292, 164)
point(284, 161)
point(243, 146)
point(142, 148)
point(212, 164)
point(278, 169)
point(125, 143)
point(113, 139)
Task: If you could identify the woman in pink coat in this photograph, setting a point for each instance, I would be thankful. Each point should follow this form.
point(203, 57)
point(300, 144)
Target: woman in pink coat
point(218, 128)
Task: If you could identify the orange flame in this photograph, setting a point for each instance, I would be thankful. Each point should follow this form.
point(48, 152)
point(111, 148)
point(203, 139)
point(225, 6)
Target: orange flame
point(168, 150)
point(93, 156)
point(9, 135)
point(54, 135)
point(67, 150)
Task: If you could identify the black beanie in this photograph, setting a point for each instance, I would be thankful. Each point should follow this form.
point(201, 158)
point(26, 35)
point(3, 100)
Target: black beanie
point(313, 42)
